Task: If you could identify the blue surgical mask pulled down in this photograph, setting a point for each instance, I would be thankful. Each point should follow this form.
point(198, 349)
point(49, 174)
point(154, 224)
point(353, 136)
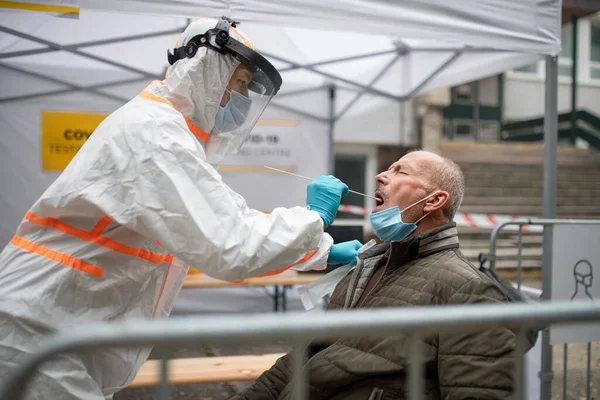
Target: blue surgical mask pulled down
point(233, 114)
point(388, 225)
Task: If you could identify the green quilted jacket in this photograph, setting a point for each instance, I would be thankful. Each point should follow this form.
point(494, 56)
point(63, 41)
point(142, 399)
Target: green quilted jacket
point(422, 270)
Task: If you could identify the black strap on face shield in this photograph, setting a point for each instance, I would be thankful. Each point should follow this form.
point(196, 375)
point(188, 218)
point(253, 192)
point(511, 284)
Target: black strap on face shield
point(266, 77)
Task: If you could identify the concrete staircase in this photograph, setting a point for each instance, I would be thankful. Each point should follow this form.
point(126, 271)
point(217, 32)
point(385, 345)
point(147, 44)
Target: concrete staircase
point(507, 179)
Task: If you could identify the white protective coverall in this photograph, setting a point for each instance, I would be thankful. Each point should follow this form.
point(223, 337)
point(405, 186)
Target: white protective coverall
point(111, 239)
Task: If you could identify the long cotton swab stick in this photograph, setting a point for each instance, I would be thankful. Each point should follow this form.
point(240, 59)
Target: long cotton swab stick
point(311, 179)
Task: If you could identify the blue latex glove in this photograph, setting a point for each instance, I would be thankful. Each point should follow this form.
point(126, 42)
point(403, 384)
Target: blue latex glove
point(324, 195)
point(344, 253)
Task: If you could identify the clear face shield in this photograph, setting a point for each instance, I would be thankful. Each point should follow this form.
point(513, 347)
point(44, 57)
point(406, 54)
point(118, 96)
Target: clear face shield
point(251, 88)
point(248, 94)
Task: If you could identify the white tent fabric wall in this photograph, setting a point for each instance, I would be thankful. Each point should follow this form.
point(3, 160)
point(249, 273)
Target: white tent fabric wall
point(415, 47)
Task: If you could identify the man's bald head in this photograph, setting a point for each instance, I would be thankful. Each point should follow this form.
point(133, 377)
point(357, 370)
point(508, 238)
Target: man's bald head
point(441, 173)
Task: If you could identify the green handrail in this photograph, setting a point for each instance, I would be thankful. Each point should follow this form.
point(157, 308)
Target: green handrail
point(532, 129)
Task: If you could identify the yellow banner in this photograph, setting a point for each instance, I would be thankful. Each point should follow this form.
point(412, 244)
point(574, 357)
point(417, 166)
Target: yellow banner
point(63, 134)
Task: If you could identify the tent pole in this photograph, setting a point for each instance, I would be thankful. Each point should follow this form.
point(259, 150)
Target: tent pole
point(371, 83)
point(60, 47)
point(90, 89)
point(334, 77)
point(550, 172)
point(339, 60)
point(435, 73)
point(102, 42)
point(331, 91)
point(574, 67)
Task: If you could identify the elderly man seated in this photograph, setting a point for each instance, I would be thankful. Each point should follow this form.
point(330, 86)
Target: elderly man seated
point(419, 264)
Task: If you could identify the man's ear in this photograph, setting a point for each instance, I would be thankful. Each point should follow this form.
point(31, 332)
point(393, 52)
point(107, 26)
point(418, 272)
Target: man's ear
point(436, 201)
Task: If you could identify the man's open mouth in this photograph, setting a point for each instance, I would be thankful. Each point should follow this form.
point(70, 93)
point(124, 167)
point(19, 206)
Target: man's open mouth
point(378, 198)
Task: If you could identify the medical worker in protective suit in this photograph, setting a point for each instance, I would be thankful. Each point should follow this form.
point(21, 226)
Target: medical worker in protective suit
point(111, 239)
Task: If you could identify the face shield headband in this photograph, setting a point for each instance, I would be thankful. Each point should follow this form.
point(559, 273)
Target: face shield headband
point(266, 79)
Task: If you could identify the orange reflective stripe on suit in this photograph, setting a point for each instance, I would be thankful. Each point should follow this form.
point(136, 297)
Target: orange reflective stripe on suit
point(57, 256)
point(302, 260)
point(93, 236)
point(279, 271)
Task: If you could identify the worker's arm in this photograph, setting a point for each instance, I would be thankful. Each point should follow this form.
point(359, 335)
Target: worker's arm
point(159, 185)
point(312, 260)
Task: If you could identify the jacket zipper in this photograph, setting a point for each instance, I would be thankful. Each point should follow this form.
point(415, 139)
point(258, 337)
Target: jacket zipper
point(376, 283)
point(353, 283)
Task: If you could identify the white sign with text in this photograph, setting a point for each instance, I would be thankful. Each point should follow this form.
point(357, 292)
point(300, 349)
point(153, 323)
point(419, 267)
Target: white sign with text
point(300, 147)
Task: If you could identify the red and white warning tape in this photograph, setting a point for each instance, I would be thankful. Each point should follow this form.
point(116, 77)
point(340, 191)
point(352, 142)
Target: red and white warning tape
point(490, 221)
point(473, 220)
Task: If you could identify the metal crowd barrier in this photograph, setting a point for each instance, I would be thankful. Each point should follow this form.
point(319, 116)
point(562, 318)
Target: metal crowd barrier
point(546, 372)
point(300, 331)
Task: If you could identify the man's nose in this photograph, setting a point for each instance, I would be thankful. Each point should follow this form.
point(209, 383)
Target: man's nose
point(381, 178)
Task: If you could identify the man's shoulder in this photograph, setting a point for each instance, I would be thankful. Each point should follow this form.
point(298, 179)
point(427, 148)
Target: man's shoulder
point(458, 279)
point(449, 266)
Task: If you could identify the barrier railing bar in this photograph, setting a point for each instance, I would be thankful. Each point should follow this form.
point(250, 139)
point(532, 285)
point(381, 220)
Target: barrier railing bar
point(519, 256)
point(333, 324)
point(163, 389)
point(519, 372)
point(589, 370)
point(299, 372)
point(530, 221)
point(415, 369)
point(565, 359)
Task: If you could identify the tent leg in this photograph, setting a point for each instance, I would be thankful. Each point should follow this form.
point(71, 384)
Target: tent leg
point(550, 172)
point(332, 90)
point(574, 83)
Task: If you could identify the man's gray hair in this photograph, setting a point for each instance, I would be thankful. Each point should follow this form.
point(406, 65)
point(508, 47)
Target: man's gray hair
point(446, 175)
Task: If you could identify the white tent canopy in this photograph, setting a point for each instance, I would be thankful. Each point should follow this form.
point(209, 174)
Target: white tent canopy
point(388, 52)
point(376, 54)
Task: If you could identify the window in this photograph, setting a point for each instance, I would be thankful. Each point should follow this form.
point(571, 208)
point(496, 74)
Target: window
point(464, 130)
point(464, 93)
point(595, 50)
point(488, 91)
point(351, 169)
point(488, 131)
point(566, 36)
point(447, 128)
point(588, 49)
point(565, 59)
